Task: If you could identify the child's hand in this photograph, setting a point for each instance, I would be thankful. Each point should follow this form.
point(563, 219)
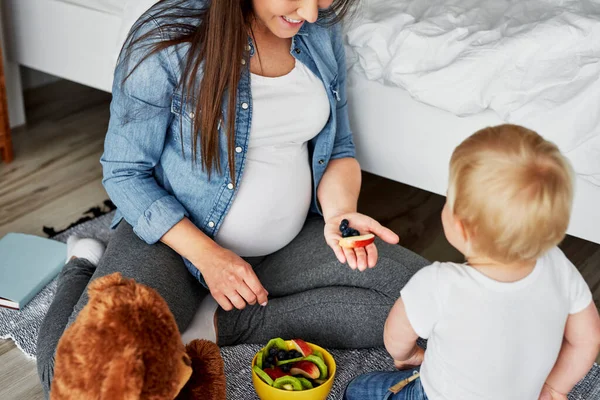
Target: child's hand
point(550, 394)
point(414, 361)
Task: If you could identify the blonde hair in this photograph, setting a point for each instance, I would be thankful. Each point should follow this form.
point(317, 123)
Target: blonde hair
point(512, 190)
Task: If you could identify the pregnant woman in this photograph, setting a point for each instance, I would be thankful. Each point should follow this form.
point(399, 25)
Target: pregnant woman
point(230, 158)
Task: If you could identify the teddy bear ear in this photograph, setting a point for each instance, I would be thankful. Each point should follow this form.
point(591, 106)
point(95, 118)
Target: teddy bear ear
point(105, 282)
point(124, 378)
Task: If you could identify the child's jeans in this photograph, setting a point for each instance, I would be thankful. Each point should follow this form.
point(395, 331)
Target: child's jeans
point(375, 385)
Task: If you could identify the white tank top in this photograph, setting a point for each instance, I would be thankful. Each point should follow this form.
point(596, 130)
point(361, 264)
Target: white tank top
point(275, 192)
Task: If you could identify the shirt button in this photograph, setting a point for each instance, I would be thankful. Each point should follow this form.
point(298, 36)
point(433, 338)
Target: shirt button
point(297, 50)
point(245, 106)
point(243, 62)
point(192, 115)
point(247, 47)
point(238, 149)
point(230, 186)
point(321, 162)
point(211, 224)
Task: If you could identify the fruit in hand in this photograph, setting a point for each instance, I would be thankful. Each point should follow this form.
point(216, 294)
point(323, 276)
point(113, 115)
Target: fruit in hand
point(307, 369)
point(287, 383)
point(344, 225)
point(301, 346)
point(353, 242)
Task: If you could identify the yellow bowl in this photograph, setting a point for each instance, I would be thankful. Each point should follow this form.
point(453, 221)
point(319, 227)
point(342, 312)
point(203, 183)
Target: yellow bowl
point(266, 392)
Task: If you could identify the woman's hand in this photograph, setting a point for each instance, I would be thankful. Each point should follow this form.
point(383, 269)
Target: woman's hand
point(231, 280)
point(414, 361)
point(550, 394)
point(360, 257)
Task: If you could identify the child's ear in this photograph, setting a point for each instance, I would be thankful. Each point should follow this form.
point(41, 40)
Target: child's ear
point(461, 230)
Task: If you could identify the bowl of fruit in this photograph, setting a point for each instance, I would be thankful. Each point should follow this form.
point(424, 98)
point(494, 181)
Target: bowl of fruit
point(292, 370)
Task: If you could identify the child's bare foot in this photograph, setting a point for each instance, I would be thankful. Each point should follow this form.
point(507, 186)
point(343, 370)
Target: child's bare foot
point(414, 361)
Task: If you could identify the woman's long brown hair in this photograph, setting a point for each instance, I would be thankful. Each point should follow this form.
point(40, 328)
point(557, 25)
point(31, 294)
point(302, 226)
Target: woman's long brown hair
point(217, 34)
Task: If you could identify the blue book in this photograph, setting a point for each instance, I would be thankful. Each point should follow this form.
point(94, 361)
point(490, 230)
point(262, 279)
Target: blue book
point(27, 264)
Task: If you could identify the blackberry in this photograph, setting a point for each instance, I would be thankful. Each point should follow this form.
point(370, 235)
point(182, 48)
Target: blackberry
point(296, 354)
point(270, 359)
point(273, 351)
point(282, 355)
point(286, 367)
point(267, 364)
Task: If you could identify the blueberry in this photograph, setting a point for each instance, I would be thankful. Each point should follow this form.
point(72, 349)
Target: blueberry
point(353, 232)
point(273, 351)
point(286, 367)
point(344, 225)
point(267, 364)
point(282, 355)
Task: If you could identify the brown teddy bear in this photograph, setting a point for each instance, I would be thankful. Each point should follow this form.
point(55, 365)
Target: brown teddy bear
point(125, 344)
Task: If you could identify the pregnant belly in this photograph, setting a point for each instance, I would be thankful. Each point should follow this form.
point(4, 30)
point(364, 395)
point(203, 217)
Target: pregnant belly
point(271, 204)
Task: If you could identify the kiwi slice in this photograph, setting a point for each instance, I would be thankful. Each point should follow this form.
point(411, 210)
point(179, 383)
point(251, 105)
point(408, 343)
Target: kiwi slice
point(259, 359)
point(287, 383)
point(319, 363)
point(293, 360)
point(306, 384)
point(277, 342)
point(318, 354)
point(320, 381)
point(263, 375)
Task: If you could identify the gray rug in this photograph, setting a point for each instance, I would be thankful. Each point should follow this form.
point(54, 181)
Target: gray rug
point(23, 326)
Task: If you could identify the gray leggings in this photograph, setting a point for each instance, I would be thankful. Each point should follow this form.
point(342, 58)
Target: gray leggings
point(311, 295)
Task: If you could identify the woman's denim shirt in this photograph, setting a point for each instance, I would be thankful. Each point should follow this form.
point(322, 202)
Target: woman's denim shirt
point(147, 160)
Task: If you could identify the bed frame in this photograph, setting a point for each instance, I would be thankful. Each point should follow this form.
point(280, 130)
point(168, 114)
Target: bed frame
point(80, 44)
point(6, 150)
point(69, 41)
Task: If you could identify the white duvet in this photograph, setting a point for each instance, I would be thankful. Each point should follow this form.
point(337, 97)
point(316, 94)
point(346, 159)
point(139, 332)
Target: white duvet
point(534, 62)
point(108, 6)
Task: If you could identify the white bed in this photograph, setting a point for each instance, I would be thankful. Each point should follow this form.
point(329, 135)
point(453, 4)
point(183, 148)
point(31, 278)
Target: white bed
point(396, 136)
point(407, 141)
point(530, 62)
point(64, 38)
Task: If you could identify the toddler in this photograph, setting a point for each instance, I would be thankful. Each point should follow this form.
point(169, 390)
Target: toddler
point(517, 320)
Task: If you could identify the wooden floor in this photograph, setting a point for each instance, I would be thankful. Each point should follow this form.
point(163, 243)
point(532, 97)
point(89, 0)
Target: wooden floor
point(56, 177)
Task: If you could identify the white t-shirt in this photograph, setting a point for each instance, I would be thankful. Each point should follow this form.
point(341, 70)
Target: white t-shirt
point(489, 339)
point(275, 192)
